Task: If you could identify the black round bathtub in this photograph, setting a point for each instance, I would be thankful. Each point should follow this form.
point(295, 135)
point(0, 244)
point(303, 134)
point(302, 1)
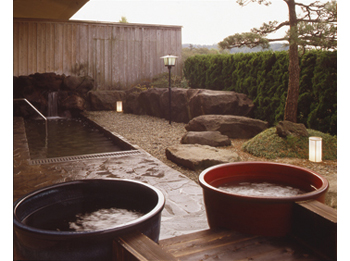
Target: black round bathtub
point(39, 218)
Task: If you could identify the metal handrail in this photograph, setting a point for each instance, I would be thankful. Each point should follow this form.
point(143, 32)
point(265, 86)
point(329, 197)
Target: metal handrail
point(31, 105)
point(46, 127)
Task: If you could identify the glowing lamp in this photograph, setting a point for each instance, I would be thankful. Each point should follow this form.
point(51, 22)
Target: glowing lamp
point(169, 61)
point(119, 106)
point(315, 149)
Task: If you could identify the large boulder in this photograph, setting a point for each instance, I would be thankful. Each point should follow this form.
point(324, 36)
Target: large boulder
point(105, 100)
point(285, 128)
point(78, 84)
point(235, 127)
point(220, 102)
point(71, 104)
point(36, 88)
point(47, 81)
point(180, 105)
point(35, 84)
point(186, 103)
point(210, 138)
point(131, 104)
point(150, 102)
point(198, 157)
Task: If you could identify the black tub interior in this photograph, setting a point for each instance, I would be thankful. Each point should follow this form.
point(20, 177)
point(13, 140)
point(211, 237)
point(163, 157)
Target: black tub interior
point(53, 209)
point(41, 217)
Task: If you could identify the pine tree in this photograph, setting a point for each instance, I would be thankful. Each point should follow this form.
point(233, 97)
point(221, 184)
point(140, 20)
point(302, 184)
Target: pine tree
point(315, 28)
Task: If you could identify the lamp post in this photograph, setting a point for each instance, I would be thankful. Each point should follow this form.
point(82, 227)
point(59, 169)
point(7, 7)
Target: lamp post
point(315, 149)
point(169, 61)
point(119, 106)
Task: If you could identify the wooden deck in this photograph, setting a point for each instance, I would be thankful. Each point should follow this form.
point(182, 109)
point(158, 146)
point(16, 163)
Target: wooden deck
point(214, 245)
point(313, 238)
point(230, 245)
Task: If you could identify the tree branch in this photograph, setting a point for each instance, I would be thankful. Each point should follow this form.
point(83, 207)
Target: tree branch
point(319, 11)
point(246, 2)
point(277, 39)
point(317, 27)
point(315, 21)
point(245, 39)
point(269, 28)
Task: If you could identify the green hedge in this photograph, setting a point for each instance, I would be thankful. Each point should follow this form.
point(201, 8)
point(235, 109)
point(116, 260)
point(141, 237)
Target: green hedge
point(263, 76)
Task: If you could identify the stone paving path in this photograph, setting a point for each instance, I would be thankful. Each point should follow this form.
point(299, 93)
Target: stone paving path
point(184, 211)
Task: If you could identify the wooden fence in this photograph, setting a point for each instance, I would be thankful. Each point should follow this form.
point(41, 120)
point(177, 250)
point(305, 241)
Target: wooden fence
point(115, 55)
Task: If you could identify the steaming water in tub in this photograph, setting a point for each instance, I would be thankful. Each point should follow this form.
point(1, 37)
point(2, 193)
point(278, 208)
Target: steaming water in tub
point(103, 219)
point(261, 189)
point(95, 219)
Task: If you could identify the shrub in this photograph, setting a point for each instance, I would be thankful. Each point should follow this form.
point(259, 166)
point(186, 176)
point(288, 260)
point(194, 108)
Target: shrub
point(269, 145)
point(263, 77)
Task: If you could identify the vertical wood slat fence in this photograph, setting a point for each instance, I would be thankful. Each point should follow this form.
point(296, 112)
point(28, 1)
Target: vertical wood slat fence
point(115, 55)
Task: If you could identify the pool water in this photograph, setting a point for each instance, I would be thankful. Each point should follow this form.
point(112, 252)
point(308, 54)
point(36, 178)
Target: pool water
point(261, 189)
point(105, 218)
point(66, 137)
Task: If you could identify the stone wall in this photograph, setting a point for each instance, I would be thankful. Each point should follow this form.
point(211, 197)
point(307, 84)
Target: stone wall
point(186, 104)
point(76, 94)
point(72, 92)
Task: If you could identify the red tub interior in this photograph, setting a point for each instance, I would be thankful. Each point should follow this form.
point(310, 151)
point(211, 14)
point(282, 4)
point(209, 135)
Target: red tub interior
point(253, 214)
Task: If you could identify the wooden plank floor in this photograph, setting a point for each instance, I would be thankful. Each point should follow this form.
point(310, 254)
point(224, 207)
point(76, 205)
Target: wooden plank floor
point(210, 245)
point(230, 245)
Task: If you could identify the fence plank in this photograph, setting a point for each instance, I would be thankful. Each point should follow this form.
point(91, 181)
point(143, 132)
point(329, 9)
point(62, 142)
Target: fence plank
point(49, 48)
point(108, 57)
point(32, 48)
point(58, 48)
point(15, 49)
point(23, 48)
point(74, 67)
point(41, 47)
point(83, 51)
point(91, 54)
point(67, 48)
point(115, 50)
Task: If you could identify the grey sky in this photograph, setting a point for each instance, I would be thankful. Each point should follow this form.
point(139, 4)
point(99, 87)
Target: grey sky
point(204, 22)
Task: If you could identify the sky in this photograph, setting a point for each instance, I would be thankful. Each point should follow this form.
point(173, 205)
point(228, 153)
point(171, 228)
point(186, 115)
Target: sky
point(203, 22)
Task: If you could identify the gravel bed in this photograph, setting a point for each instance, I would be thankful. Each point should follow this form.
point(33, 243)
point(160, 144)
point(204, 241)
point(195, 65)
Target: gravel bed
point(154, 135)
point(151, 134)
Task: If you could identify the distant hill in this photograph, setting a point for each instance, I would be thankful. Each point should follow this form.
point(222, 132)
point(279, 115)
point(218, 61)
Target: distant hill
point(273, 46)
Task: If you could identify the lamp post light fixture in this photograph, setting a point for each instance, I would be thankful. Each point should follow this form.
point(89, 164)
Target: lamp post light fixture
point(169, 61)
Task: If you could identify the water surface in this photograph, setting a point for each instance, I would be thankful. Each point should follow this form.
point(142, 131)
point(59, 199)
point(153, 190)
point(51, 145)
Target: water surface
point(262, 189)
point(103, 219)
point(65, 137)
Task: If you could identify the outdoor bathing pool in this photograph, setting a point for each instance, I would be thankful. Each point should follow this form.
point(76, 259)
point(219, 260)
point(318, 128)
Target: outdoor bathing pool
point(64, 137)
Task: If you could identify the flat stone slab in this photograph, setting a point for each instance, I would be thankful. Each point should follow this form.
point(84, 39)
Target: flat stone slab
point(235, 127)
point(197, 157)
point(210, 138)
